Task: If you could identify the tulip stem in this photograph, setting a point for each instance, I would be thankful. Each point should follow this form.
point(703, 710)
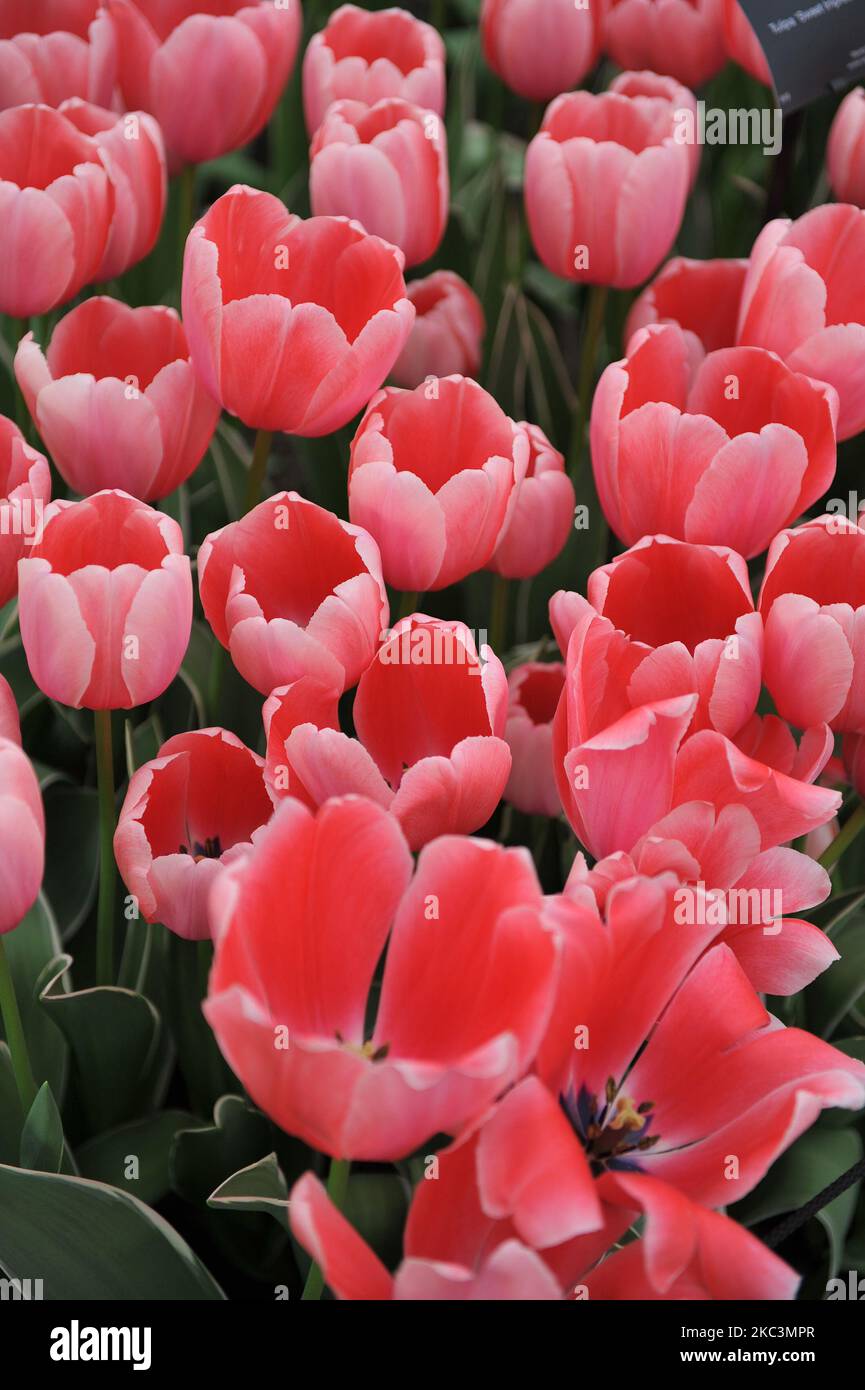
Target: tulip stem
point(257, 469)
point(337, 1187)
point(408, 605)
point(845, 837)
point(107, 865)
point(15, 1038)
point(499, 615)
point(186, 209)
point(597, 303)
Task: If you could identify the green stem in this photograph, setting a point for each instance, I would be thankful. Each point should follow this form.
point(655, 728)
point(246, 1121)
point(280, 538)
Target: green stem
point(15, 1034)
point(337, 1187)
point(845, 837)
point(214, 681)
point(185, 209)
point(586, 380)
point(408, 604)
point(107, 865)
point(499, 615)
point(257, 469)
point(438, 14)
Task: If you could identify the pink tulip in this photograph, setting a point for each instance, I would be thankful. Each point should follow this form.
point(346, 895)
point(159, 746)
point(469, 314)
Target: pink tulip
point(542, 515)
point(700, 297)
point(534, 690)
point(741, 42)
point(105, 602)
point(540, 48)
point(726, 453)
point(668, 98)
point(291, 590)
point(370, 57)
point(51, 51)
point(116, 400)
point(10, 724)
point(680, 38)
point(605, 187)
point(432, 477)
point(56, 207)
point(845, 151)
point(292, 325)
point(187, 814)
point(447, 334)
point(211, 74)
point(386, 166)
point(802, 301)
point(25, 491)
point(22, 835)
point(133, 153)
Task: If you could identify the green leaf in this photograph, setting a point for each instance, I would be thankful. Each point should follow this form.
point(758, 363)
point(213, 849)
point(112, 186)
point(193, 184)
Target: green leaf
point(259, 1187)
point(106, 1158)
point(11, 1115)
point(71, 854)
point(86, 1240)
point(204, 1157)
point(834, 993)
point(32, 949)
point(43, 1145)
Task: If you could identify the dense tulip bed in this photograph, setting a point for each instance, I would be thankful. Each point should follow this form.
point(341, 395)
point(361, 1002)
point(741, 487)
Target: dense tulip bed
point(432, 710)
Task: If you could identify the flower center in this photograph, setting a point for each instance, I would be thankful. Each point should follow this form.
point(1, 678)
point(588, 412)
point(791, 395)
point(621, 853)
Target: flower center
point(368, 1049)
point(613, 1130)
point(211, 849)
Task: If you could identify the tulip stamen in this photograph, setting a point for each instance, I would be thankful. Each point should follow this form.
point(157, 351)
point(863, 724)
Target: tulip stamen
point(610, 1131)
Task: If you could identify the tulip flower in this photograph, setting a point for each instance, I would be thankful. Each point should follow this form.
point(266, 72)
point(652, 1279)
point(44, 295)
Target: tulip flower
point(626, 147)
point(724, 454)
point(674, 37)
point(116, 400)
point(292, 325)
point(741, 42)
point(432, 477)
point(51, 52)
point(447, 334)
point(211, 75)
point(540, 48)
point(291, 590)
point(845, 151)
point(188, 813)
point(22, 835)
point(700, 297)
point(105, 602)
point(430, 716)
point(369, 57)
point(386, 166)
point(25, 491)
point(299, 927)
point(542, 515)
point(534, 690)
point(56, 208)
point(10, 726)
point(801, 301)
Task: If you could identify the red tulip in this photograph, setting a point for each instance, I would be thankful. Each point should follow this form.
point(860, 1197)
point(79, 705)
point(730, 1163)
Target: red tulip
point(116, 400)
point(447, 334)
point(188, 813)
point(10, 725)
point(605, 186)
point(542, 515)
point(56, 208)
point(432, 477)
point(369, 57)
point(724, 454)
point(430, 715)
point(386, 166)
point(291, 590)
point(22, 835)
point(105, 602)
point(700, 297)
point(299, 927)
point(741, 42)
point(802, 301)
point(540, 48)
point(25, 491)
point(680, 38)
point(210, 74)
point(292, 325)
point(845, 151)
point(52, 51)
point(534, 690)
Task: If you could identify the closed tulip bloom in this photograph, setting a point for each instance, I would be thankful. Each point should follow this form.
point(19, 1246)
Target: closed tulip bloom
point(742, 44)
point(210, 71)
point(367, 57)
point(291, 590)
point(700, 297)
point(432, 476)
point(10, 724)
point(187, 814)
point(540, 48)
point(542, 515)
point(134, 155)
point(386, 166)
point(52, 51)
point(22, 835)
point(669, 99)
point(116, 400)
point(605, 187)
point(534, 690)
point(25, 491)
point(56, 206)
point(679, 38)
point(801, 300)
point(845, 151)
point(724, 454)
point(105, 603)
point(292, 325)
point(447, 335)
